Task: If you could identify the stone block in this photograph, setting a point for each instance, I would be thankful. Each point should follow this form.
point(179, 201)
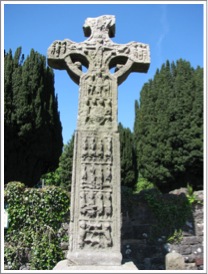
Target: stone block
point(65, 265)
point(185, 250)
point(190, 258)
point(192, 240)
point(190, 266)
point(199, 261)
point(174, 261)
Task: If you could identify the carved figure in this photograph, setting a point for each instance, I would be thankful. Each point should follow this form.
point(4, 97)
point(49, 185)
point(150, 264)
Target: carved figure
point(82, 203)
point(90, 85)
point(90, 198)
point(99, 83)
point(85, 149)
point(108, 205)
point(108, 111)
point(63, 47)
point(92, 150)
point(99, 182)
point(100, 150)
point(99, 203)
point(107, 234)
point(106, 87)
point(93, 177)
point(108, 151)
point(95, 236)
point(96, 116)
point(82, 233)
point(85, 113)
point(101, 109)
point(57, 48)
point(91, 207)
point(84, 176)
point(108, 177)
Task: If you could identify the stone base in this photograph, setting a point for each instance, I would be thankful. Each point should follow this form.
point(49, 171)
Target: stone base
point(65, 265)
point(81, 257)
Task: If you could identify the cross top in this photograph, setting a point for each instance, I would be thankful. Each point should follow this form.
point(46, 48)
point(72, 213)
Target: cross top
point(98, 53)
point(100, 29)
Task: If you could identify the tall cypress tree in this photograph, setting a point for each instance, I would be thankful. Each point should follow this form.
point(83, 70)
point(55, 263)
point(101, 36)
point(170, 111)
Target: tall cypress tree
point(33, 131)
point(128, 157)
point(168, 127)
point(66, 164)
point(62, 176)
point(194, 144)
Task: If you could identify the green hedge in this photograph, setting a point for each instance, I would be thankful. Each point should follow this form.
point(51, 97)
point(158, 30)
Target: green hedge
point(35, 216)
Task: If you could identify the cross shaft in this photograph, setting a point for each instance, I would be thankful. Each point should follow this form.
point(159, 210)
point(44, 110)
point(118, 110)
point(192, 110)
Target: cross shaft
point(95, 197)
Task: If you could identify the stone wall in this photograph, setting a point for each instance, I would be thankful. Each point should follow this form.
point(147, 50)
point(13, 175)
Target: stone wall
point(149, 254)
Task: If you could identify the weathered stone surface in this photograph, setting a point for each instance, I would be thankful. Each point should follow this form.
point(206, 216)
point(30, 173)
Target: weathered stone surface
point(174, 261)
point(199, 261)
point(156, 251)
point(64, 265)
point(191, 240)
point(185, 250)
point(179, 191)
point(95, 221)
point(199, 195)
point(191, 266)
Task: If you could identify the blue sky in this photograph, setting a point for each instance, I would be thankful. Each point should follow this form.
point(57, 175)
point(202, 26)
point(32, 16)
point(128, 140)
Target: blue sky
point(173, 31)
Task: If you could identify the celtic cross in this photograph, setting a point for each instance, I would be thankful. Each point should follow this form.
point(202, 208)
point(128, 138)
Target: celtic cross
point(95, 198)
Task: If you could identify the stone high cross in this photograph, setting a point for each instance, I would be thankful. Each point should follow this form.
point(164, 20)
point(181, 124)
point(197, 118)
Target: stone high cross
point(95, 221)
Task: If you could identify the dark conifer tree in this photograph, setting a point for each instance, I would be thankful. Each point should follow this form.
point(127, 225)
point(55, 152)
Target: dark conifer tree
point(66, 164)
point(33, 131)
point(194, 143)
point(62, 176)
point(128, 157)
point(169, 127)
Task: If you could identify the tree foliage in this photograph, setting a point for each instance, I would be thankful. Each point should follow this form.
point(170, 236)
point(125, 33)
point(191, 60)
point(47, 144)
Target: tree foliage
point(128, 157)
point(66, 164)
point(169, 127)
point(35, 217)
point(62, 176)
point(33, 131)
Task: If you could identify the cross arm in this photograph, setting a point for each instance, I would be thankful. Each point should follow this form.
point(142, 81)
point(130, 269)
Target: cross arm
point(131, 57)
point(67, 55)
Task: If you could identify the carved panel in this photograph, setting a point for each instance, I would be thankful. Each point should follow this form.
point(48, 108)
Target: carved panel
point(96, 112)
point(139, 52)
point(96, 149)
point(96, 204)
point(95, 234)
point(98, 85)
point(96, 176)
point(59, 48)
